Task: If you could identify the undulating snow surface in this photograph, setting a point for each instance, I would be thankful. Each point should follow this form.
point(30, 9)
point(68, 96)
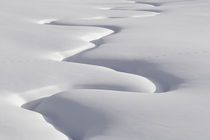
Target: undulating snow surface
point(104, 69)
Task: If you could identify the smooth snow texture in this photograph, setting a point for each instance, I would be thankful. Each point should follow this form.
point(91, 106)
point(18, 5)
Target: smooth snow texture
point(98, 70)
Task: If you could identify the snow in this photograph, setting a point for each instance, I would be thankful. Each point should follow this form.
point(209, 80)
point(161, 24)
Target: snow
point(98, 70)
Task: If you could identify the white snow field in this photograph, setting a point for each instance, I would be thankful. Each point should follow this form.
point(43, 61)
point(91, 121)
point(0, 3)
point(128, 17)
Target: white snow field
point(105, 69)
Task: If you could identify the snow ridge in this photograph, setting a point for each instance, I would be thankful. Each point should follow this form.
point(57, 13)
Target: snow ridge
point(96, 40)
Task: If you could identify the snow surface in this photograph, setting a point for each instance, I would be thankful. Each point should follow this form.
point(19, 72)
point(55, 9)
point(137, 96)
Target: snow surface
point(104, 70)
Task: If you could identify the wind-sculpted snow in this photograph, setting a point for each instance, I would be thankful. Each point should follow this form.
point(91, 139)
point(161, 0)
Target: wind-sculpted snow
point(93, 121)
point(94, 70)
point(122, 66)
point(97, 40)
point(78, 122)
